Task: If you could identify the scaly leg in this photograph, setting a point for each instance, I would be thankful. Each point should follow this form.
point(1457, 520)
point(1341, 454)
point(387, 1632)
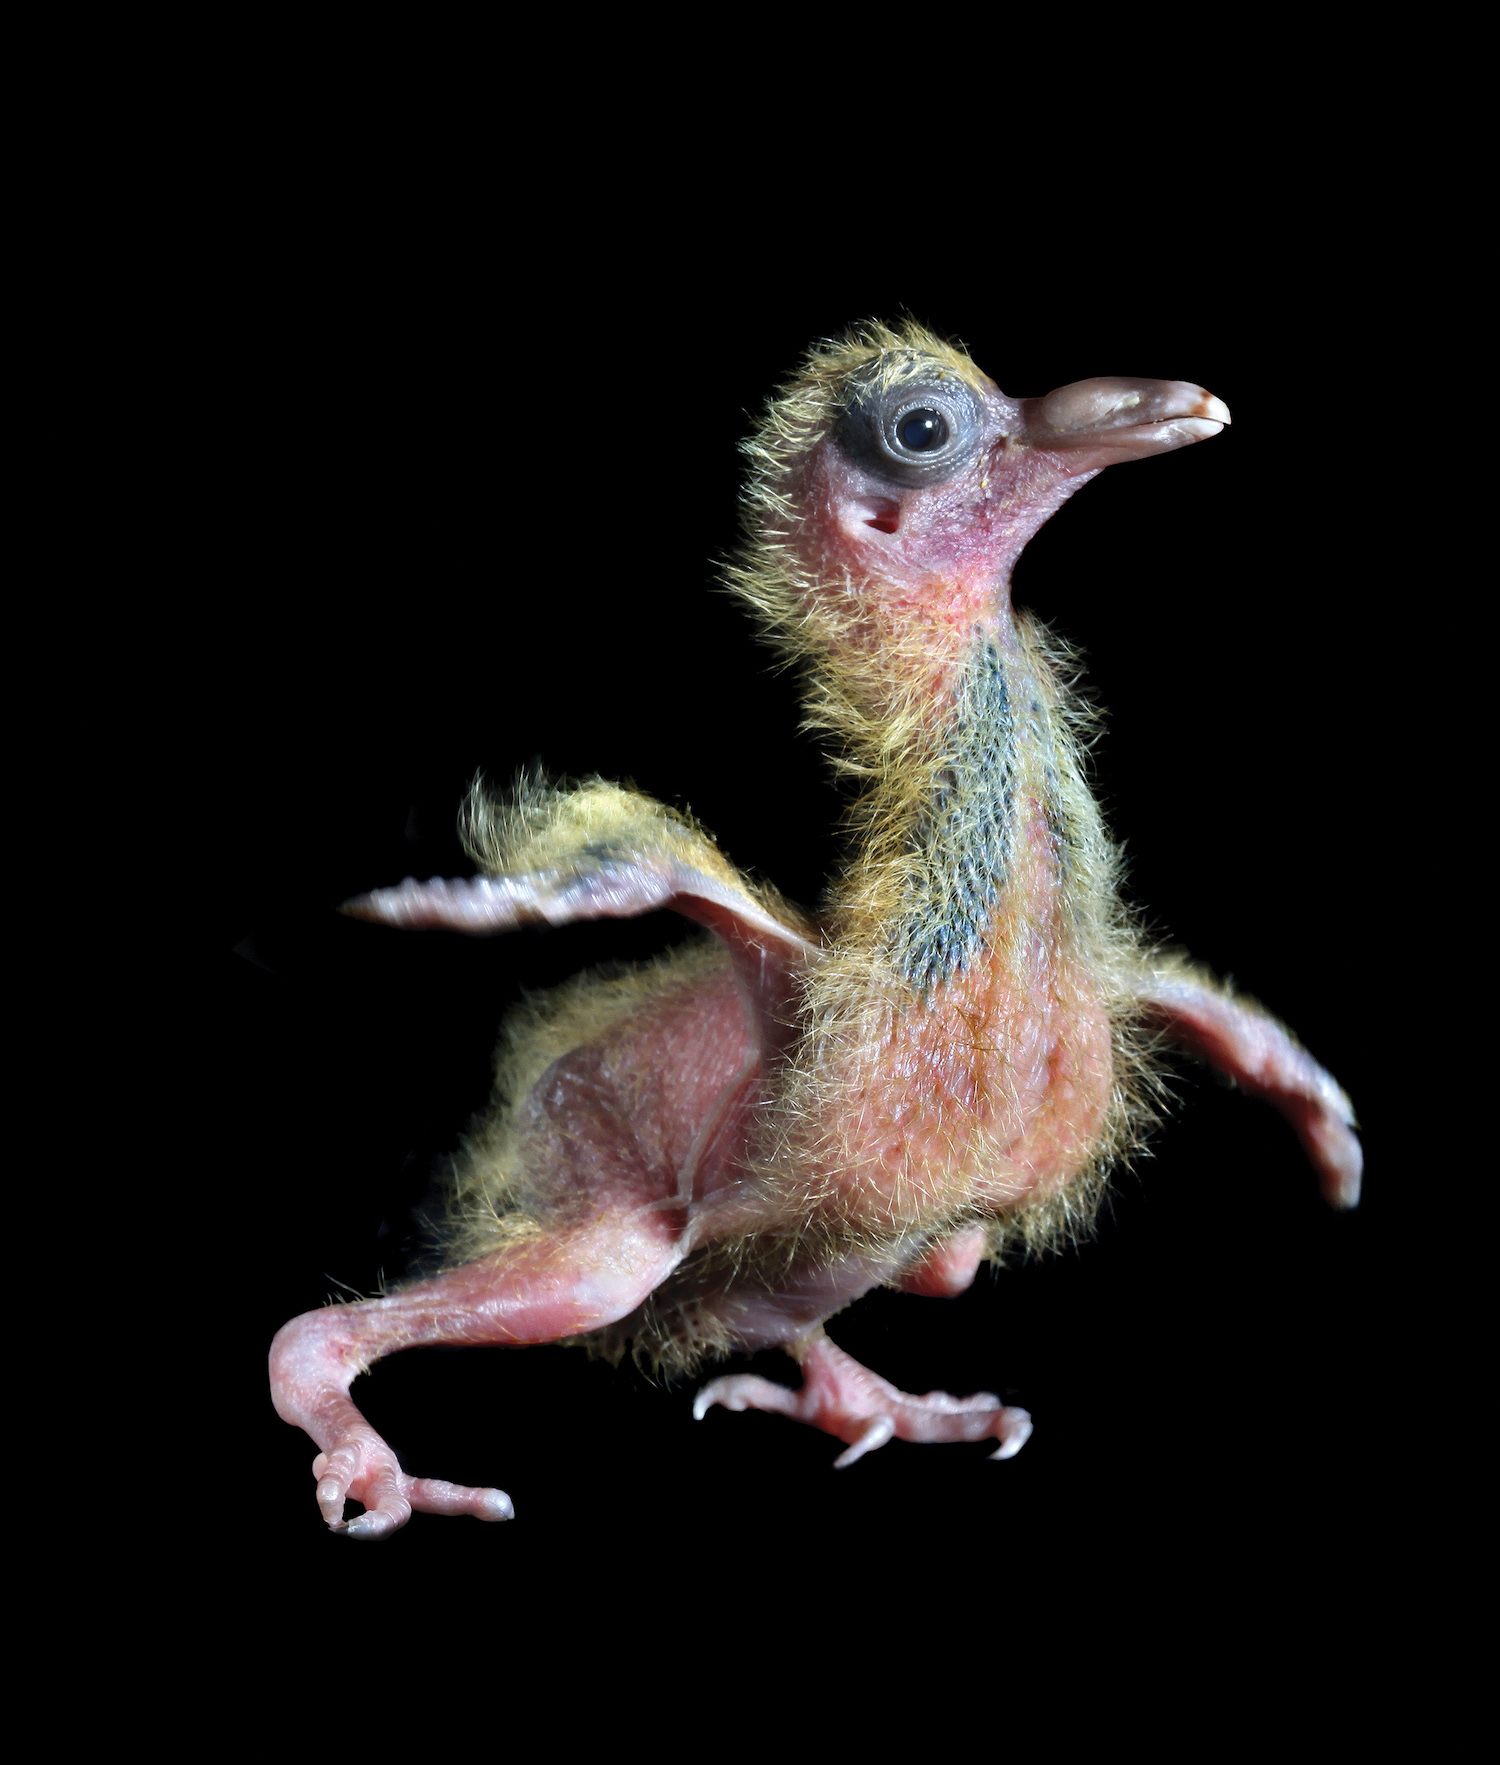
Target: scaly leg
point(1249, 1046)
point(536, 1291)
point(855, 1405)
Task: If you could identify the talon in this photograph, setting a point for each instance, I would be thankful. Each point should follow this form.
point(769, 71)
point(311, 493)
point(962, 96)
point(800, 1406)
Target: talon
point(876, 1435)
point(372, 1525)
point(1017, 1432)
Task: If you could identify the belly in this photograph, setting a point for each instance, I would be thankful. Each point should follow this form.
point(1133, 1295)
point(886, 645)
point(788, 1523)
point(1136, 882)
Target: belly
point(982, 1101)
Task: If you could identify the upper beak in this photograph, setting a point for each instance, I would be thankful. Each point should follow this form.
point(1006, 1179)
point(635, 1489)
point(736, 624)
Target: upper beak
point(1098, 422)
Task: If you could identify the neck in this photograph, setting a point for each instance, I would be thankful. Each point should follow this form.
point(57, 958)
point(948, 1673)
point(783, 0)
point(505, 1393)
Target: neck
point(973, 820)
point(899, 663)
point(948, 720)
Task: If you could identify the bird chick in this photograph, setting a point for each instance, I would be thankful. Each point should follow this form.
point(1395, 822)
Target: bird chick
point(722, 1149)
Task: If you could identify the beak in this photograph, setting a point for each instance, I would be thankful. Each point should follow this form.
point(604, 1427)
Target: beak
point(1097, 423)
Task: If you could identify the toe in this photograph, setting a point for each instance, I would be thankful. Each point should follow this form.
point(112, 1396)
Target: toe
point(430, 1495)
point(335, 1472)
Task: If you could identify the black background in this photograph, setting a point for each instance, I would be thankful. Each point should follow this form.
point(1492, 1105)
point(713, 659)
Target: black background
point(478, 478)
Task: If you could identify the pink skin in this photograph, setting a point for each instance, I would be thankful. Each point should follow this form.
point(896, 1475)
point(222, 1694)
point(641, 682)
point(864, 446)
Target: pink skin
point(949, 1268)
point(651, 1125)
point(646, 1128)
point(1263, 1059)
point(576, 1281)
point(763, 951)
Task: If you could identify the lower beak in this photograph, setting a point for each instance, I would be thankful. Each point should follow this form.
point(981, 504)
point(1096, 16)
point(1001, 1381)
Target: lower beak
point(1096, 423)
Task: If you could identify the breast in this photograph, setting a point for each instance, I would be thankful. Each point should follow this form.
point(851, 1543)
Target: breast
point(978, 1093)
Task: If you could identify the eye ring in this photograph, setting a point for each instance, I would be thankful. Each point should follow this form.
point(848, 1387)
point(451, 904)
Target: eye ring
point(916, 433)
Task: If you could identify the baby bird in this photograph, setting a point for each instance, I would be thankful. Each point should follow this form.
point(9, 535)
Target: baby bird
point(723, 1149)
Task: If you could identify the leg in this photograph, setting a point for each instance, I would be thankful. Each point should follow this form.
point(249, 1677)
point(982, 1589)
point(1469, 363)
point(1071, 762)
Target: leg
point(1249, 1046)
point(536, 1291)
point(855, 1405)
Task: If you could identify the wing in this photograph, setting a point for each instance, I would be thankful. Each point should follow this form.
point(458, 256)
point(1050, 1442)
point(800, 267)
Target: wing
point(603, 852)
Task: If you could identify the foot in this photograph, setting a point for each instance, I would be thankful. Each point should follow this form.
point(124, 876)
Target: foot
point(311, 1371)
point(855, 1405)
point(363, 1466)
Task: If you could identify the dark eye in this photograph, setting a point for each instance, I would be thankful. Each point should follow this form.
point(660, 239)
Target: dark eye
point(921, 431)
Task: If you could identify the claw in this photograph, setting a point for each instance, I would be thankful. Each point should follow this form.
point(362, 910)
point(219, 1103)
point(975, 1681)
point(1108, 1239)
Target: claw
point(372, 1525)
point(877, 1434)
point(1017, 1431)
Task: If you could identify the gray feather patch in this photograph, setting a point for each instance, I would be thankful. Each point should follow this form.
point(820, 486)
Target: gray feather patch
point(963, 843)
